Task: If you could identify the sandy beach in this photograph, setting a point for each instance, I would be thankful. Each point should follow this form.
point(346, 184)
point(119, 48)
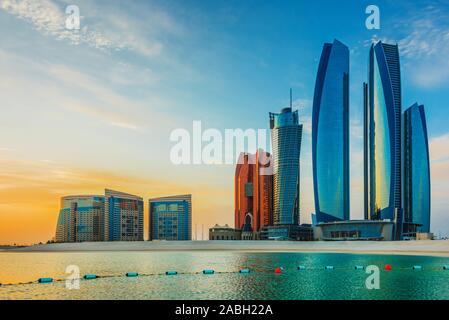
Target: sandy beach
point(424, 248)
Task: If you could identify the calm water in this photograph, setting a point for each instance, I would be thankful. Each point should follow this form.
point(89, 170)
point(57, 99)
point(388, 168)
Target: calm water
point(262, 283)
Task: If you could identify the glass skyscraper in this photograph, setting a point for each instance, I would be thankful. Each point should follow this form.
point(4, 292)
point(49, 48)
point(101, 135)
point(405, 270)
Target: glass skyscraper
point(123, 216)
point(382, 135)
point(330, 134)
point(416, 171)
point(81, 218)
point(286, 135)
point(170, 218)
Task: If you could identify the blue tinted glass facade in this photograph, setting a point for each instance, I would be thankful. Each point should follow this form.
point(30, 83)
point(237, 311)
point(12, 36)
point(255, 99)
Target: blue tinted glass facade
point(286, 134)
point(416, 168)
point(170, 219)
point(383, 174)
point(330, 134)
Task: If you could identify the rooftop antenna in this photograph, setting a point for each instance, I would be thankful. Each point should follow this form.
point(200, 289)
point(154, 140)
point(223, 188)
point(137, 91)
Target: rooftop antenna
point(291, 99)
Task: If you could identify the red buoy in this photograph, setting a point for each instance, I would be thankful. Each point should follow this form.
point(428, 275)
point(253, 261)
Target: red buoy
point(278, 270)
point(388, 267)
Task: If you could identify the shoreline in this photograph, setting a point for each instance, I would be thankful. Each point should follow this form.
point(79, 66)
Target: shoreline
point(437, 248)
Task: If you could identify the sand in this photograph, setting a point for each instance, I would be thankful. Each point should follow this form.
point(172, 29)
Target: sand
point(423, 248)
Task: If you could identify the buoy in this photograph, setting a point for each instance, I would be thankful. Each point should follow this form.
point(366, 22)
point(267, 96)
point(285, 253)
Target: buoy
point(208, 271)
point(359, 267)
point(446, 267)
point(278, 270)
point(329, 268)
point(45, 280)
point(417, 267)
point(90, 276)
point(132, 274)
point(301, 268)
point(244, 271)
point(388, 267)
point(171, 273)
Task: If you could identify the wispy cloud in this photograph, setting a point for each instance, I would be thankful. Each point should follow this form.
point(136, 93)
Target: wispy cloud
point(47, 17)
point(425, 46)
point(423, 39)
point(102, 26)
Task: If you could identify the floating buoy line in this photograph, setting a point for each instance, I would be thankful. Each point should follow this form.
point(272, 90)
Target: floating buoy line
point(276, 270)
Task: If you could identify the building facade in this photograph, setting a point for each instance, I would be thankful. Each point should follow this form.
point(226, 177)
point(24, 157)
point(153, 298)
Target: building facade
point(355, 230)
point(225, 232)
point(170, 218)
point(292, 232)
point(416, 172)
point(330, 134)
point(382, 135)
point(123, 216)
point(81, 218)
point(253, 192)
point(286, 135)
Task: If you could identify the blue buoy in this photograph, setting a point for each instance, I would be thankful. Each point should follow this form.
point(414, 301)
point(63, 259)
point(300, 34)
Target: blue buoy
point(359, 267)
point(244, 271)
point(45, 280)
point(90, 276)
point(208, 271)
point(171, 273)
point(301, 268)
point(446, 267)
point(417, 267)
point(329, 268)
point(132, 274)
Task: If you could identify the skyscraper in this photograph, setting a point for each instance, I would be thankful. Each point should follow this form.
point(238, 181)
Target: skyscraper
point(123, 216)
point(286, 135)
point(170, 218)
point(81, 218)
point(253, 192)
point(382, 135)
point(416, 172)
point(330, 134)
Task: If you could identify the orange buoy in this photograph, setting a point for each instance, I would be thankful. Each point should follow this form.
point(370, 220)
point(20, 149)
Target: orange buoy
point(278, 270)
point(388, 267)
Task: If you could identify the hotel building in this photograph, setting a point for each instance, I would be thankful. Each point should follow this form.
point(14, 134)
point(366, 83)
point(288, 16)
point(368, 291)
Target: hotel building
point(416, 172)
point(81, 218)
point(286, 135)
point(170, 218)
point(253, 193)
point(330, 134)
point(382, 136)
point(123, 216)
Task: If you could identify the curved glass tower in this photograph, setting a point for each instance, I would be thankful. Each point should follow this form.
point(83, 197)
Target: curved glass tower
point(330, 134)
point(382, 154)
point(286, 134)
point(416, 171)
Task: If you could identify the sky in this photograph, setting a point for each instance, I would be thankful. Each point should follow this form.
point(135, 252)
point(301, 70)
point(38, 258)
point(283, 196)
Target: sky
point(89, 109)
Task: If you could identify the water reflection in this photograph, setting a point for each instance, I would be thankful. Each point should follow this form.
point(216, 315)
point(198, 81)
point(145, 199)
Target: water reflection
point(262, 283)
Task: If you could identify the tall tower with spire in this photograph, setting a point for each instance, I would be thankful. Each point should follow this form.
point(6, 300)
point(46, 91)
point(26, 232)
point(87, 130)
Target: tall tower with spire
point(286, 135)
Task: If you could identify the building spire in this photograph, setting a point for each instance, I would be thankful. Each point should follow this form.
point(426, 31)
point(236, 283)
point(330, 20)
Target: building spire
point(291, 99)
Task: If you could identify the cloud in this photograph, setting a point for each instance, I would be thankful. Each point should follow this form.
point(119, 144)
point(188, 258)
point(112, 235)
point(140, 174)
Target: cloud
point(47, 17)
point(439, 148)
point(102, 26)
point(423, 39)
point(425, 47)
